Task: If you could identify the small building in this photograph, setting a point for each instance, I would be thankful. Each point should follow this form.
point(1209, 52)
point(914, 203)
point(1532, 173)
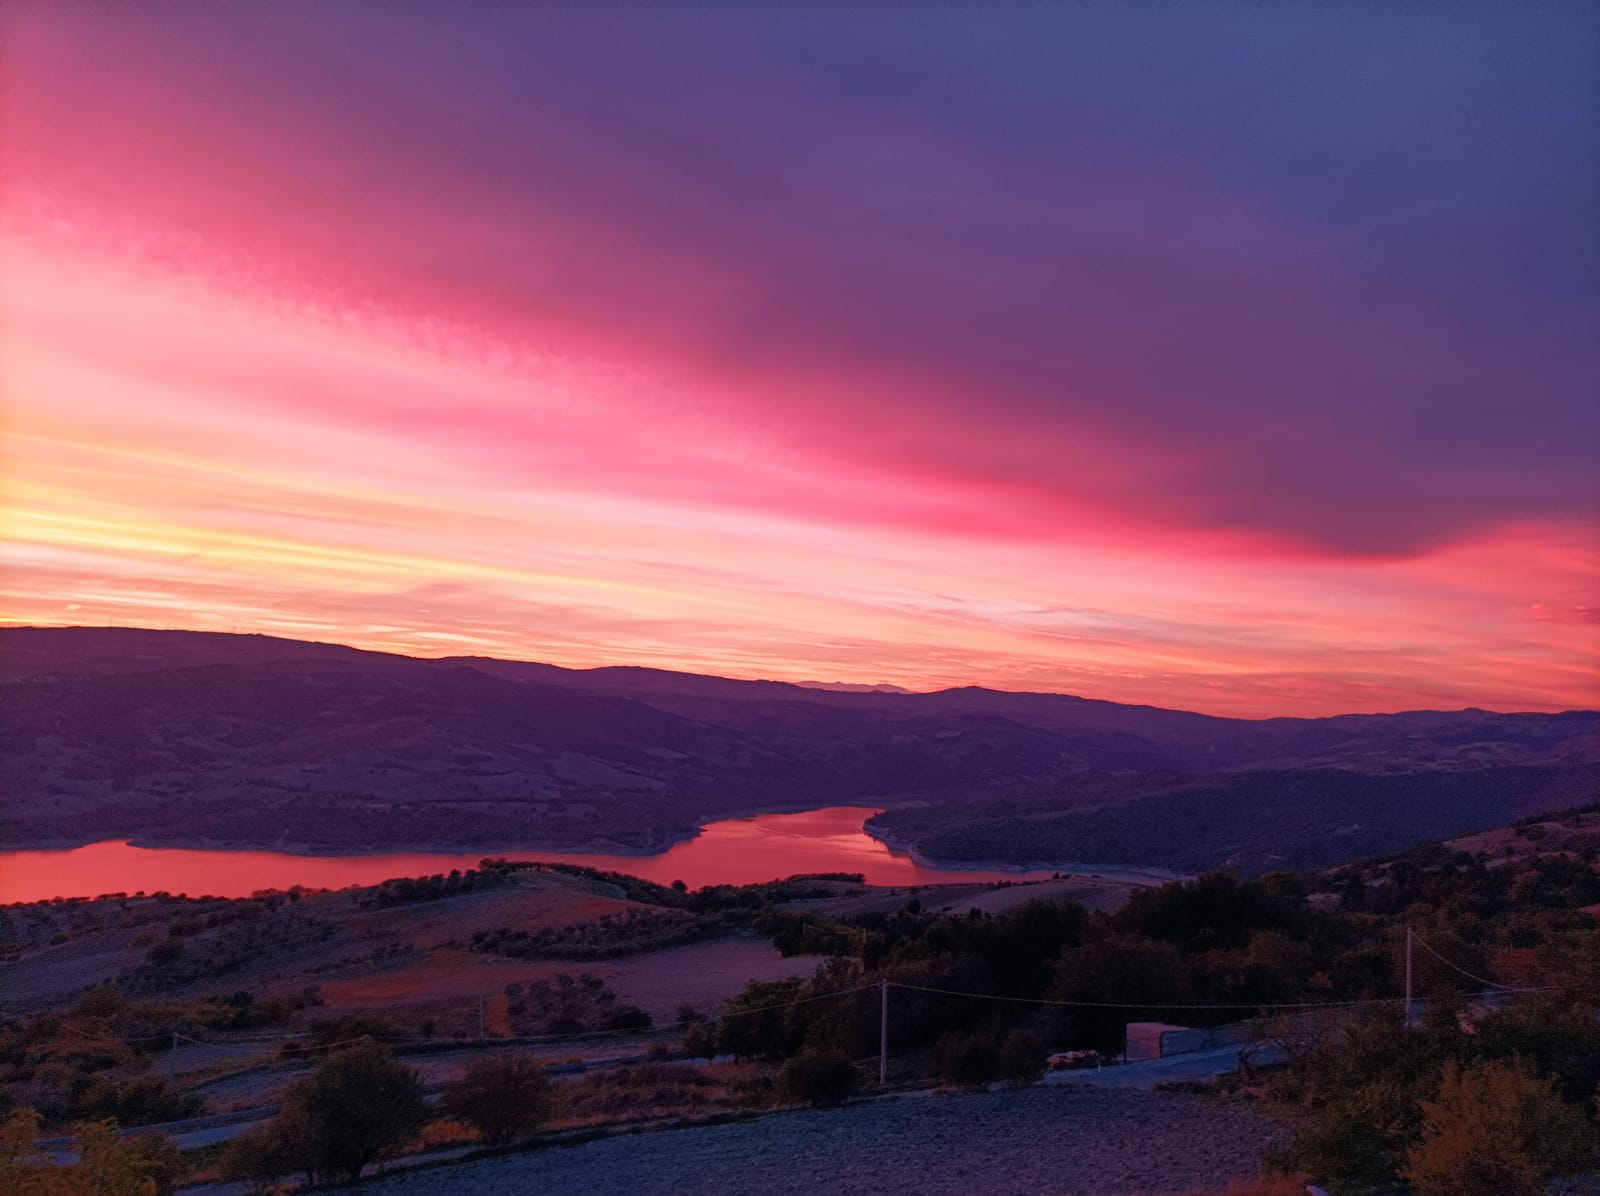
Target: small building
point(1144, 1039)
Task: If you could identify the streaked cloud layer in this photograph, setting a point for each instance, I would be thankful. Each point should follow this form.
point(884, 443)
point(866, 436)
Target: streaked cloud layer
point(1237, 358)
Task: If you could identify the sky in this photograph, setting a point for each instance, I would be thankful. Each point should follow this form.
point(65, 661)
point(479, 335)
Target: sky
point(1231, 357)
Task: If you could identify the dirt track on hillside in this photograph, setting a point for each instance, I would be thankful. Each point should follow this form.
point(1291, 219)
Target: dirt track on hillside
point(1062, 1141)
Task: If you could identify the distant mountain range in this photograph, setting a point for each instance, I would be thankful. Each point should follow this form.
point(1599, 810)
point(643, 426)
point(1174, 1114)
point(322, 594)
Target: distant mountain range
point(194, 737)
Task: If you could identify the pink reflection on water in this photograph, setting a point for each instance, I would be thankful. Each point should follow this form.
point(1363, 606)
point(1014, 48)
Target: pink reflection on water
point(734, 851)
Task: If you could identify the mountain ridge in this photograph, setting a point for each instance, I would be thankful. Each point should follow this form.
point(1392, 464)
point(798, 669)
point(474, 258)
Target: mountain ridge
point(10, 653)
point(253, 740)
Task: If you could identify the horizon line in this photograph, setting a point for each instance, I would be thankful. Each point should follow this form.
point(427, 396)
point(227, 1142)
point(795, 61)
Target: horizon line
point(815, 686)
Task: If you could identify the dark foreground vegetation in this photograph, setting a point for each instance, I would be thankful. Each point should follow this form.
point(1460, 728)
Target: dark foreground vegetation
point(1319, 960)
point(1489, 1092)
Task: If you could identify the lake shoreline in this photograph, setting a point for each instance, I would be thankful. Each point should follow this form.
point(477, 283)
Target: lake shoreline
point(1077, 869)
point(1088, 871)
point(598, 845)
point(729, 851)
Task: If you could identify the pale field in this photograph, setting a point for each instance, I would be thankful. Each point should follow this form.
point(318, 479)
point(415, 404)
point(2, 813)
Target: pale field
point(540, 901)
point(1511, 842)
point(704, 975)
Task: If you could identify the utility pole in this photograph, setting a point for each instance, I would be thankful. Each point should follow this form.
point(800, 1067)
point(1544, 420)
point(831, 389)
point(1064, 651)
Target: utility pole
point(1410, 937)
point(883, 1035)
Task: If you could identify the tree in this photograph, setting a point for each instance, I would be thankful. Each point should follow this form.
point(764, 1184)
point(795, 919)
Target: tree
point(1365, 1090)
point(757, 1021)
point(970, 1059)
point(1496, 1130)
point(1124, 969)
point(502, 1096)
point(700, 1041)
point(264, 1154)
point(19, 1171)
point(819, 1077)
point(1022, 1059)
point(108, 1164)
point(352, 1109)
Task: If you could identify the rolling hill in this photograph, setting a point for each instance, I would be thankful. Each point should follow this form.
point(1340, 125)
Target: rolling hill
point(171, 736)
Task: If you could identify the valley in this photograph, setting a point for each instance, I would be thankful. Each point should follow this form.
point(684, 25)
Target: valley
point(249, 742)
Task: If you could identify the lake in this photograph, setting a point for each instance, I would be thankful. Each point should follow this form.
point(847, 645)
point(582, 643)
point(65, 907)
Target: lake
point(733, 851)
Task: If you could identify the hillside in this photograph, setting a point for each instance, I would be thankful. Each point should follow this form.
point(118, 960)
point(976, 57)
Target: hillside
point(1253, 821)
point(250, 740)
point(156, 1009)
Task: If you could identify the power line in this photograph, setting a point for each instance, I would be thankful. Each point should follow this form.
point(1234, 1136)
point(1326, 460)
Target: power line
point(237, 1046)
point(839, 992)
point(1308, 1005)
point(316, 1047)
point(216, 1046)
point(1478, 979)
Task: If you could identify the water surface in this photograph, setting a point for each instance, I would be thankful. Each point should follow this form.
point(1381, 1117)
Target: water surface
point(733, 851)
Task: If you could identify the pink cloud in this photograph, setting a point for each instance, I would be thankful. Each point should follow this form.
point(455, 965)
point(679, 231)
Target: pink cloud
point(295, 345)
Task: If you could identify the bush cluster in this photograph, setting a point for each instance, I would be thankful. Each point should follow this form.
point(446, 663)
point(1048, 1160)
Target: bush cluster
point(504, 1096)
point(571, 1005)
point(104, 1163)
point(493, 874)
point(611, 936)
point(356, 1107)
point(77, 1067)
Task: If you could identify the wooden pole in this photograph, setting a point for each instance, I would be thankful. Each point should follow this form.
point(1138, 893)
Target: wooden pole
point(1410, 936)
point(883, 1035)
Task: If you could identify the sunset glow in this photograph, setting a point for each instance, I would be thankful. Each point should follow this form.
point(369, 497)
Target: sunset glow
point(887, 360)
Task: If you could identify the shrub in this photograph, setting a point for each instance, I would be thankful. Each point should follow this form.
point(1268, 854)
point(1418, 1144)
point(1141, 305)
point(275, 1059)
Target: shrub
point(572, 1005)
point(752, 1092)
point(159, 1159)
point(818, 1078)
point(503, 1096)
point(329, 1035)
point(101, 1001)
point(438, 1134)
point(970, 1059)
point(143, 1100)
point(625, 1017)
point(700, 1041)
point(757, 1021)
point(1365, 1094)
point(165, 952)
point(107, 1163)
point(1022, 1058)
point(355, 1107)
point(1496, 1130)
point(637, 1091)
point(265, 1153)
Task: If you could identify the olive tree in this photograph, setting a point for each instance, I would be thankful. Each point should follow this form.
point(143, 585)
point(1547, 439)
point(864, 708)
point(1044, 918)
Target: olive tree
point(502, 1096)
point(353, 1108)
